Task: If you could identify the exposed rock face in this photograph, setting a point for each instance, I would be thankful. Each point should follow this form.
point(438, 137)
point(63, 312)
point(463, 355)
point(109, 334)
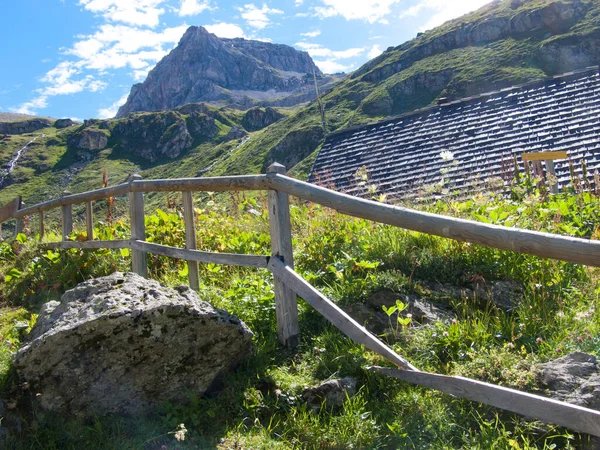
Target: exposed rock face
point(63, 123)
point(154, 136)
point(206, 68)
point(332, 392)
point(24, 126)
point(259, 118)
point(123, 343)
point(90, 139)
point(235, 133)
point(564, 54)
point(295, 146)
point(202, 125)
point(573, 378)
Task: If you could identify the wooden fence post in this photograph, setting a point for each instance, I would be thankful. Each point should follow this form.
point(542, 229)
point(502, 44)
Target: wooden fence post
point(67, 219)
point(20, 226)
point(139, 263)
point(552, 171)
point(42, 226)
point(190, 238)
point(89, 221)
point(286, 304)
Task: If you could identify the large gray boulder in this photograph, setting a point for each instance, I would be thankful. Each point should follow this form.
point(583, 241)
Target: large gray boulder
point(125, 344)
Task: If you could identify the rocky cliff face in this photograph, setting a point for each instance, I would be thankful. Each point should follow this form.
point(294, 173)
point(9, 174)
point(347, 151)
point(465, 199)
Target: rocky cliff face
point(238, 72)
point(24, 126)
point(552, 18)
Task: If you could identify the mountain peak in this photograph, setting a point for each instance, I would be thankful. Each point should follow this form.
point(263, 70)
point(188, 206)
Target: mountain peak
point(236, 72)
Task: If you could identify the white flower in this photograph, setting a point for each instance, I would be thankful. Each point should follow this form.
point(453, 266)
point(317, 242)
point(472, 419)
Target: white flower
point(180, 433)
point(447, 155)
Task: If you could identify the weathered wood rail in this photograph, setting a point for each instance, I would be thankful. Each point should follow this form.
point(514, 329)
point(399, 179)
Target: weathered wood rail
point(288, 284)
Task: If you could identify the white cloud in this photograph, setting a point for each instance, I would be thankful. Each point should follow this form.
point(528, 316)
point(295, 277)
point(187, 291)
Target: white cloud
point(133, 12)
point(226, 30)
point(32, 106)
point(331, 58)
point(369, 10)
point(332, 66)
point(375, 51)
point(317, 50)
point(193, 7)
point(258, 18)
point(311, 34)
point(111, 111)
point(111, 47)
point(440, 11)
point(299, 2)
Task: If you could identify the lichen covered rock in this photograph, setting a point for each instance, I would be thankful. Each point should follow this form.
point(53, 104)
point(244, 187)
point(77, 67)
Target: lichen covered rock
point(125, 344)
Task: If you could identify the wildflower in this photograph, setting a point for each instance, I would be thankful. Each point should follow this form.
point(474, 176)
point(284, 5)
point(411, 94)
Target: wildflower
point(445, 334)
point(454, 322)
point(539, 340)
point(447, 155)
point(579, 339)
point(180, 433)
point(589, 336)
point(510, 345)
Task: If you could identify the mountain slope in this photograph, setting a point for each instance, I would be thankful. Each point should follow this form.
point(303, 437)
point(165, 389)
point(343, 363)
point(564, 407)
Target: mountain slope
point(505, 43)
point(205, 68)
point(502, 44)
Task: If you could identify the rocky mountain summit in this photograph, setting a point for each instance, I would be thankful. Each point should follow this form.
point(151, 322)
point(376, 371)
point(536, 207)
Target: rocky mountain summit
point(235, 72)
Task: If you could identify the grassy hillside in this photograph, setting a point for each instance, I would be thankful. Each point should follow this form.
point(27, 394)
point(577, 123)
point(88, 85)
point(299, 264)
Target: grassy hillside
point(16, 117)
point(359, 265)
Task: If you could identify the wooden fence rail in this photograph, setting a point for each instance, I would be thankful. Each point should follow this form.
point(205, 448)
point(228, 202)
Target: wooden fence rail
point(288, 284)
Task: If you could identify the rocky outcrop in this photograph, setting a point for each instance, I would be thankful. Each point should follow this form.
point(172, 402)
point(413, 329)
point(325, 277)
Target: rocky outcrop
point(205, 68)
point(294, 147)
point(567, 53)
point(202, 126)
point(24, 126)
point(153, 136)
point(235, 133)
point(90, 139)
point(278, 56)
point(63, 123)
point(573, 378)
point(258, 118)
point(126, 344)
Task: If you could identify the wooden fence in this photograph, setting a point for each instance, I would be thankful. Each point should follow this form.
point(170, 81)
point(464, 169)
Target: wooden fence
point(288, 284)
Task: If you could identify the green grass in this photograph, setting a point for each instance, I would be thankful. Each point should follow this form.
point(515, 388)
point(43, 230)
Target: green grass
point(348, 259)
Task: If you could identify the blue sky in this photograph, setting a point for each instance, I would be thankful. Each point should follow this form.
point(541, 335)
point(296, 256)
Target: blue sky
point(79, 58)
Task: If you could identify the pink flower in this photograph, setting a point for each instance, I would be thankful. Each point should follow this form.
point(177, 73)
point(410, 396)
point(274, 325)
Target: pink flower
point(445, 334)
point(539, 340)
point(510, 345)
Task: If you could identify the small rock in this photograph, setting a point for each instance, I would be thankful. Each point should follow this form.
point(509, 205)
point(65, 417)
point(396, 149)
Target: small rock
point(506, 295)
point(333, 392)
point(371, 314)
point(573, 378)
point(21, 325)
